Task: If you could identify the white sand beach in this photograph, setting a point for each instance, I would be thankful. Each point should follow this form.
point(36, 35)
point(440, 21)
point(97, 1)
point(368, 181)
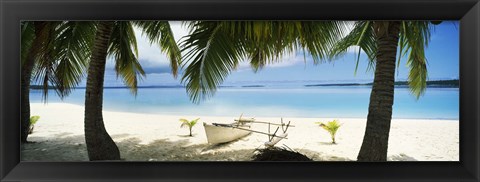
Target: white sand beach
point(59, 136)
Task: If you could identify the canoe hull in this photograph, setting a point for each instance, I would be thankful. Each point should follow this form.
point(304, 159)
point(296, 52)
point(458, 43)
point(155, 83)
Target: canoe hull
point(220, 134)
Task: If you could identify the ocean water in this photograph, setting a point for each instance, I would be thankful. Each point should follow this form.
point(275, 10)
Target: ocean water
point(287, 100)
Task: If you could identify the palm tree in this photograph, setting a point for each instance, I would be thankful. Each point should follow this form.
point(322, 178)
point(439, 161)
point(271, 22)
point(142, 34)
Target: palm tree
point(33, 34)
point(380, 41)
point(189, 124)
point(214, 49)
point(117, 38)
point(332, 128)
point(52, 52)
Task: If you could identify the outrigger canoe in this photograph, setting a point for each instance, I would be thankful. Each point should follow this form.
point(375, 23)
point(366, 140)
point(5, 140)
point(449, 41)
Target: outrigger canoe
point(223, 133)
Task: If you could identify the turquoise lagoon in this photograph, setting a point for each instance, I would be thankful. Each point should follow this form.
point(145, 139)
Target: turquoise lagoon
point(275, 100)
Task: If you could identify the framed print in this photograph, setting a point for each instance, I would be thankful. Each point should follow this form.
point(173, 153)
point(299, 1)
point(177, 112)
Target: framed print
point(239, 90)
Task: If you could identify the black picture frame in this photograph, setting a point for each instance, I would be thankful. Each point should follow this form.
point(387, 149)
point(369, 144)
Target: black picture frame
point(13, 11)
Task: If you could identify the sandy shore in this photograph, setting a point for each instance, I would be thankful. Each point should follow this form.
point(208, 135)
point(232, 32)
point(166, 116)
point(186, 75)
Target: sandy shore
point(59, 136)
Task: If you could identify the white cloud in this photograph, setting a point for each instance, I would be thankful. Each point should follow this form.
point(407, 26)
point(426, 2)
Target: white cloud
point(150, 54)
point(284, 61)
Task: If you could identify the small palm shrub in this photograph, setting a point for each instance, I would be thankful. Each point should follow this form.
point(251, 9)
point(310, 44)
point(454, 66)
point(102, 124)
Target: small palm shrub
point(331, 127)
point(189, 124)
point(33, 120)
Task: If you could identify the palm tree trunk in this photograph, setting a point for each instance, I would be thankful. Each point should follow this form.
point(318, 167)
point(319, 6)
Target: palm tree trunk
point(100, 145)
point(27, 69)
point(375, 141)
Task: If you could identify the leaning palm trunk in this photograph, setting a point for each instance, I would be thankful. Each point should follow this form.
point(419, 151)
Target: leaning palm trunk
point(27, 69)
point(25, 95)
point(100, 145)
point(375, 141)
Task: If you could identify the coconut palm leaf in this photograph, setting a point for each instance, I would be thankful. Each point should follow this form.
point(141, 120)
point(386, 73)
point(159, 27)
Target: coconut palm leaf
point(63, 56)
point(123, 48)
point(184, 123)
point(416, 35)
point(318, 38)
point(214, 49)
point(73, 49)
point(212, 54)
point(27, 36)
point(187, 123)
point(44, 68)
point(34, 119)
point(161, 33)
point(273, 39)
point(362, 35)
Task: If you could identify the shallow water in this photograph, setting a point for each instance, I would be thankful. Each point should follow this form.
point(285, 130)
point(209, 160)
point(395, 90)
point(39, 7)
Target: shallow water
point(276, 101)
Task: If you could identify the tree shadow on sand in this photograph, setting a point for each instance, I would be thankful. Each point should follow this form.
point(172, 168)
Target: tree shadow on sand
point(319, 156)
point(401, 157)
point(67, 147)
point(64, 147)
point(180, 150)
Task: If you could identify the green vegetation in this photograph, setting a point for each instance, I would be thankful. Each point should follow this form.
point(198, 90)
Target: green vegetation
point(33, 120)
point(435, 83)
point(332, 127)
point(189, 124)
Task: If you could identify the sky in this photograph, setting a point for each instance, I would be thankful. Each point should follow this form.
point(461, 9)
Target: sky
point(442, 56)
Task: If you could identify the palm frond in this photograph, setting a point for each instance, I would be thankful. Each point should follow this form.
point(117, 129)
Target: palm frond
point(362, 35)
point(161, 33)
point(319, 37)
point(27, 36)
point(212, 54)
point(184, 124)
point(187, 123)
point(214, 49)
point(416, 35)
point(73, 48)
point(63, 55)
point(123, 47)
point(44, 68)
point(34, 119)
point(194, 122)
point(271, 40)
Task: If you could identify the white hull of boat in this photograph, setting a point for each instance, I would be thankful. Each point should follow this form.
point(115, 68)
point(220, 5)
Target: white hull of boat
point(221, 134)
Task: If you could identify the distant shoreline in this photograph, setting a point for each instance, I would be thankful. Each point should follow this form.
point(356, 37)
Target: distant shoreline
point(435, 83)
point(432, 84)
